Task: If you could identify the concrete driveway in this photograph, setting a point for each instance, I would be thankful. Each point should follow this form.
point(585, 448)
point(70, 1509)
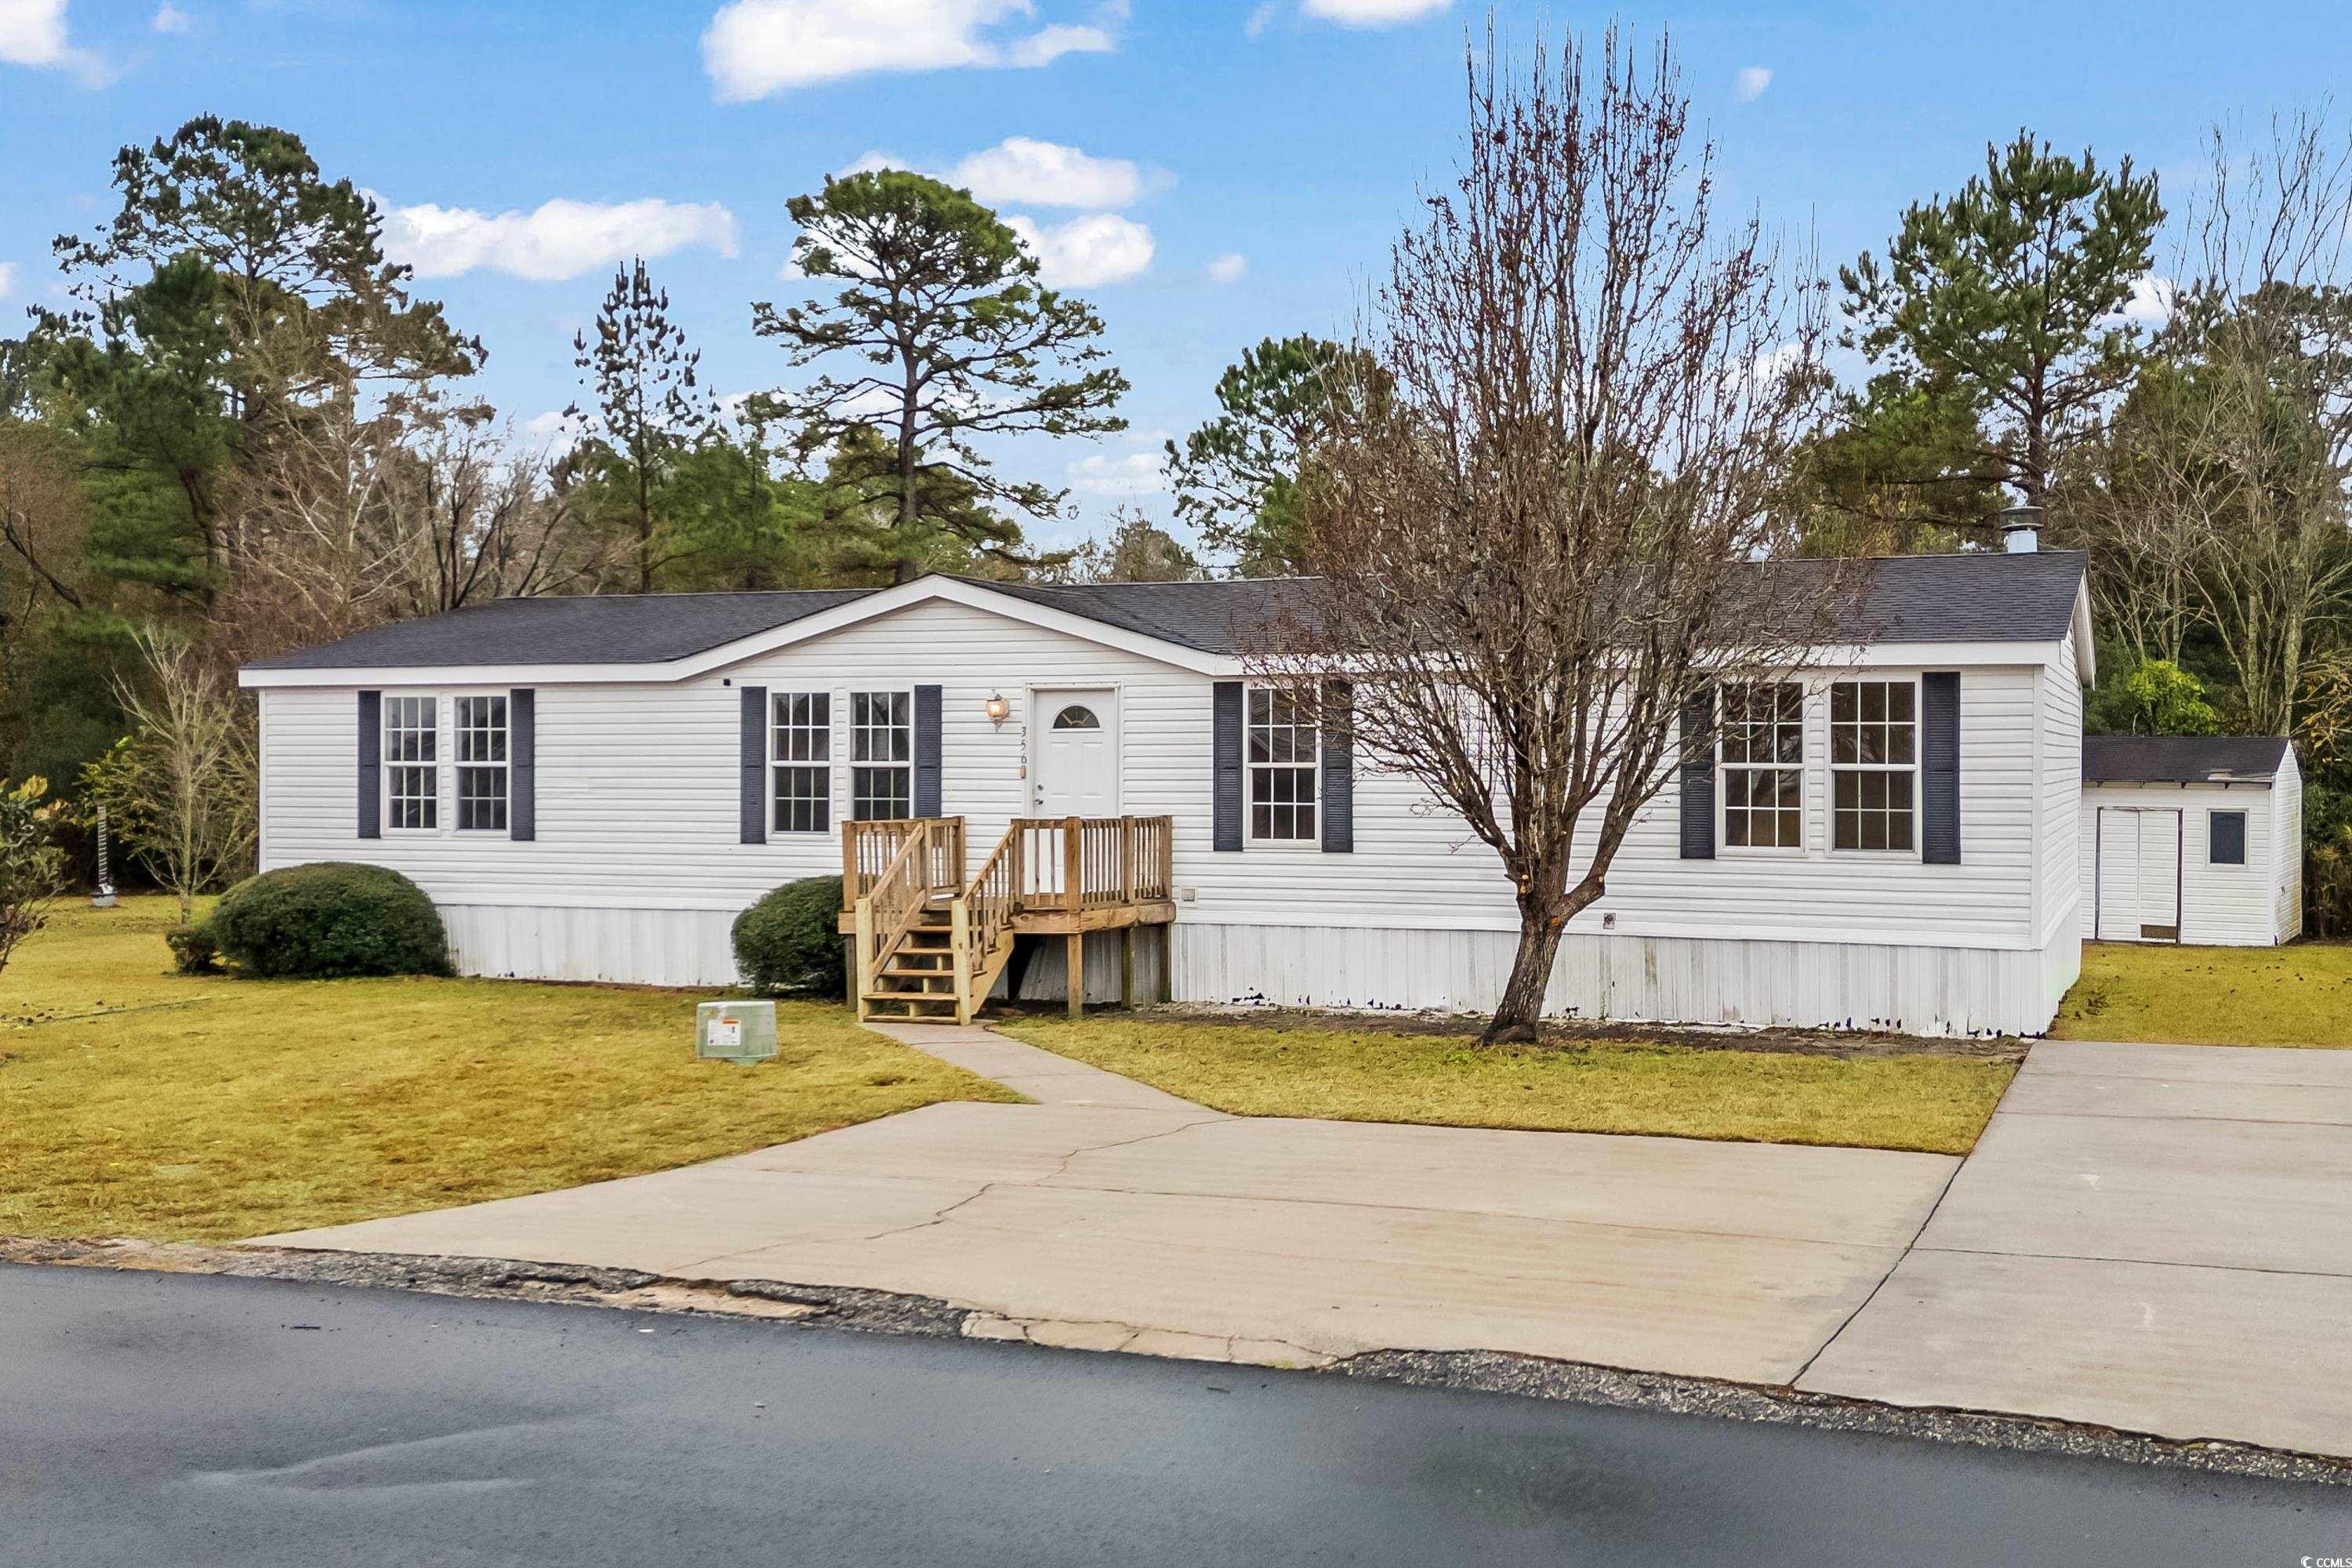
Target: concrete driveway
point(1118, 1218)
point(2154, 1237)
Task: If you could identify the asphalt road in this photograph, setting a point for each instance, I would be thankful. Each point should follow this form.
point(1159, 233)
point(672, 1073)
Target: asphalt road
point(169, 1419)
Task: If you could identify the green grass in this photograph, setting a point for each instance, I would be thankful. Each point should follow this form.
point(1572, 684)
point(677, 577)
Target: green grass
point(2297, 996)
point(137, 1102)
point(1937, 1103)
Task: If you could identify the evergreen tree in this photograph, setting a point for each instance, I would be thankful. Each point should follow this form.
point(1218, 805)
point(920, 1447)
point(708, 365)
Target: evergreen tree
point(648, 413)
point(2006, 301)
point(943, 339)
point(1241, 477)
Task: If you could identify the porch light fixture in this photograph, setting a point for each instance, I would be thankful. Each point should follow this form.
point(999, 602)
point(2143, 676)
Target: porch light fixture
point(999, 710)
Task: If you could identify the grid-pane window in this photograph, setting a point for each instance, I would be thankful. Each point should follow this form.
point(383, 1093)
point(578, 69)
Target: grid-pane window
point(1283, 753)
point(411, 756)
point(881, 755)
point(803, 758)
point(1874, 763)
point(1764, 766)
point(481, 738)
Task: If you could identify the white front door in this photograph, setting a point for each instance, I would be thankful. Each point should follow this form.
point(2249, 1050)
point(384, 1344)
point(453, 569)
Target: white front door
point(1077, 745)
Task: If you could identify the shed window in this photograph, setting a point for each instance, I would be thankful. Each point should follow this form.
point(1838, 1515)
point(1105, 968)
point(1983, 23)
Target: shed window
point(2225, 837)
point(802, 754)
point(881, 755)
point(1284, 756)
point(481, 736)
point(1764, 766)
point(1874, 764)
point(412, 757)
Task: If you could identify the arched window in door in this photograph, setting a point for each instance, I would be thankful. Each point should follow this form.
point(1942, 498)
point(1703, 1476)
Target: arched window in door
point(1076, 716)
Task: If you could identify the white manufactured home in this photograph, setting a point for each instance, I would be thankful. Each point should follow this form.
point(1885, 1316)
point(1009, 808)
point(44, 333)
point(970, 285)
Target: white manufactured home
point(2191, 838)
point(592, 788)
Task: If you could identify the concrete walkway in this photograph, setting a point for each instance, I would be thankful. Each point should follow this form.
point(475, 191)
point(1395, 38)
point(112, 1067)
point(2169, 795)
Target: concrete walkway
point(2155, 1237)
point(1044, 1077)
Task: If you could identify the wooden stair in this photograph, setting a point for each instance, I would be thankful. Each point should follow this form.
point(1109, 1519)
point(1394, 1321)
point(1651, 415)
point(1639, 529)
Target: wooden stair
point(916, 981)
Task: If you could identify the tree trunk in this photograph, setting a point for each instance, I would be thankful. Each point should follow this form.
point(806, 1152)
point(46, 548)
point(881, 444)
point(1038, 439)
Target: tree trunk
point(1521, 1005)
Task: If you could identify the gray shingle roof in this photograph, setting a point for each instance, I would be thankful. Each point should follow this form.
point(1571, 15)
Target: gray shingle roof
point(1981, 597)
point(2180, 758)
point(607, 628)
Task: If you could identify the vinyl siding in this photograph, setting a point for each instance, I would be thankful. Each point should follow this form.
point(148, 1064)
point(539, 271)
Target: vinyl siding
point(637, 810)
point(2220, 905)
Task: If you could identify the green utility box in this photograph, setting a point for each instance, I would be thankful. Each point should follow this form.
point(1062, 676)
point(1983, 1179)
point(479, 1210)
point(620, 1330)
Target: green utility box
point(735, 1031)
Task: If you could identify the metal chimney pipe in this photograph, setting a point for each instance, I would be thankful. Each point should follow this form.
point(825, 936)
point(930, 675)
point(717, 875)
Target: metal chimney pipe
point(2020, 529)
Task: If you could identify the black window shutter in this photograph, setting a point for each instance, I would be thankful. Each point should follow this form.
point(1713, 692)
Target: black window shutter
point(1339, 738)
point(522, 764)
point(1225, 764)
point(754, 802)
point(927, 750)
point(370, 778)
point(1939, 767)
point(1697, 780)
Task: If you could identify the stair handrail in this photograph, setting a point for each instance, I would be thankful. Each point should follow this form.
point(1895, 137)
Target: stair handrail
point(993, 898)
point(888, 910)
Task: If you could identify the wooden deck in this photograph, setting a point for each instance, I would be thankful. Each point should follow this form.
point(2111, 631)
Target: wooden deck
point(933, 934)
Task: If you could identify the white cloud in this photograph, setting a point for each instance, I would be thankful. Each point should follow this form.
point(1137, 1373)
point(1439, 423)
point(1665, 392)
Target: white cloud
point(756, 48)
point(2151, 302)
point(1749, 85)
point(7, 278)
point(557, 429)
point(170, 19)
point(1260, 20)
point(33, 33)
point(556, 240)
point(1231, 268)
point(1023, 171)
point(1141, 471)
point(1102, 248)
point(1371, 13)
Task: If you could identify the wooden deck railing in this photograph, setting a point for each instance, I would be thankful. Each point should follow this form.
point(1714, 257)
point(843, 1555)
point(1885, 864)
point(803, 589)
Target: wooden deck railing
point(1079, 863)
point(867, 849)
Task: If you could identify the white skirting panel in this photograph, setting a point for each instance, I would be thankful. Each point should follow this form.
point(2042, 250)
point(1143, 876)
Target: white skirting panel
point(1682, 980)
point(629, 947)
point(695, 947)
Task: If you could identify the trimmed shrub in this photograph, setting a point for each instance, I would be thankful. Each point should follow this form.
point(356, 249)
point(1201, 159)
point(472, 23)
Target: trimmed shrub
point(194, 950)
point(791, 939)
point(330, 919)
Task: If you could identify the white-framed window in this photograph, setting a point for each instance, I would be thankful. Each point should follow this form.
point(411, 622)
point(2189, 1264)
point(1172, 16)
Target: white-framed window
point(1764, 766)
point(1285, 765)
point(480, 727)
point(411, 764)
point(881, 755)
point(1874, 765)
point(802, 752)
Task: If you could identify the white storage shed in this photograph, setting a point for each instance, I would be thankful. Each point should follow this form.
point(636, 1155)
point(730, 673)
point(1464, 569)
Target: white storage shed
point(2191, 838)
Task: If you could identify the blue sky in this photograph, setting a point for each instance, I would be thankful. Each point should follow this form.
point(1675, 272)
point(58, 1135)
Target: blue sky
point(1149, 144)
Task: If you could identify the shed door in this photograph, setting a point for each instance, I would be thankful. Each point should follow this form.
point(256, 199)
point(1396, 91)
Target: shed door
point(2139, 874)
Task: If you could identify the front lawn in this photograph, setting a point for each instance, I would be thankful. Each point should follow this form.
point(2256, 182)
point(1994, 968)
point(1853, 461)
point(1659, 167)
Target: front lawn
point(138, 1103)
point(1911, 1100)
point(2296, 995)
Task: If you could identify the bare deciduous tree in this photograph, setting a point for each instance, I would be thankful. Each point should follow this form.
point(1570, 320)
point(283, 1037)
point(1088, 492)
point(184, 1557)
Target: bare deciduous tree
point(196, 766)
point(1545, 542)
